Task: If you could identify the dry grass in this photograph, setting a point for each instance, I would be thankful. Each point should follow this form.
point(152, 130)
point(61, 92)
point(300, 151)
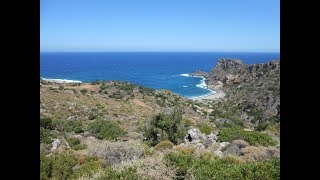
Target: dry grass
point(163, 145)
point(253, 153)
point(184, 150)
point(154, 168)
point(116, 152)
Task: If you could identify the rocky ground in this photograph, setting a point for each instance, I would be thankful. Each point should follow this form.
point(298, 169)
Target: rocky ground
point(119, 130)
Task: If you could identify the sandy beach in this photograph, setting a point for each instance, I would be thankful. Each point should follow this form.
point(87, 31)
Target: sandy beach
point(219, 94)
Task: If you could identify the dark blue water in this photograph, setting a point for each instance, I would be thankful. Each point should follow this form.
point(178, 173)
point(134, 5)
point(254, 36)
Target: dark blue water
point(155, 70)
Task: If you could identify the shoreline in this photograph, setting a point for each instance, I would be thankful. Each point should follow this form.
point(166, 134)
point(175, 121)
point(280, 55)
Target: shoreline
point(213, 95)
point(60, 81)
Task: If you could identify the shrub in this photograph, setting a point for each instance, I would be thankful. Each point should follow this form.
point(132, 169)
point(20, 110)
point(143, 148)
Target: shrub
point(84, 91)
point(105, 130)
point(262, 126)
point(58, 166)
point(73, 126)
point(126, 173)
point(252, 153)
point(75, 143)
point(169, 127)
point(46, 123)
point(252, 137)
point(273, 129)
point(154, 168)
point(117, 152)
point(205, 128)
point(163, 145)
point(90, 167)
point(45, 136)
point(229, 167)
point(61, 87)
point(68, 126)
point(62, 166)
point(93, 114)
point(103, 86)
point(45, 167)
point(181, 162)
point(184, 150)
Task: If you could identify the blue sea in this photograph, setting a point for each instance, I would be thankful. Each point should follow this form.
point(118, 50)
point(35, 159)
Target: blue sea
point(159, 70)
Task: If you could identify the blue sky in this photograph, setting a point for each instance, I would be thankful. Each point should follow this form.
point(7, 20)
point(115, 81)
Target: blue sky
point(161, 25)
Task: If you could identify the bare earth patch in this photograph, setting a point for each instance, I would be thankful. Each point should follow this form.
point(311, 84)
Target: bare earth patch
point(139, 103)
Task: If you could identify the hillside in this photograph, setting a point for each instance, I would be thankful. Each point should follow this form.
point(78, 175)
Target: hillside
point(120, 130)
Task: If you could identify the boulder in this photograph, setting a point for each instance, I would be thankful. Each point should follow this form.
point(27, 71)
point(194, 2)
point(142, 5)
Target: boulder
point(55, 144)
point(194, 136)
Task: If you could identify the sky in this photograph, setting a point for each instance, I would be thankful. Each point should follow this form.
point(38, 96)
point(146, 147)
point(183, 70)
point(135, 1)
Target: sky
point(162, 25)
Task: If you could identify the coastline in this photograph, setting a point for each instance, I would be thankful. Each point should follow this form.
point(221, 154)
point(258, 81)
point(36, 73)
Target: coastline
point(213, 95)
point(60, 81)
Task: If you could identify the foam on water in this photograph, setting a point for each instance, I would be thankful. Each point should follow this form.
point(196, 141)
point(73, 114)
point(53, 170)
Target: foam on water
point(61, 80)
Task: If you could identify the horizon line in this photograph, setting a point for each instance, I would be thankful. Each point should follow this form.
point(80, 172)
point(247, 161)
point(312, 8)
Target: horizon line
point(159, 51)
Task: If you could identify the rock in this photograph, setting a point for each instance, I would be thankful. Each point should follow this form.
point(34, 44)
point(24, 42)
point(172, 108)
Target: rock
point(55, 144)
point(236, 147)
point(194, 136)
point(217, 147)
point(232, 149)
point(211, 138)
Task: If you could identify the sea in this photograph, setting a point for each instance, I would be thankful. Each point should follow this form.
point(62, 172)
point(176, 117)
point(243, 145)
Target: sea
point(158, 70)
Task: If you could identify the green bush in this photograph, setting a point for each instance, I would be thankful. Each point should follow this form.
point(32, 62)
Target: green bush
point(61, 166)
point(188, 167)
point(126, 173)
point(103, 86)
point(170, 127)
point(274, 129)
point(45, 136)
point(84, 91)
point(205, 128)
point(164, 145)
point(252, 137)
point(105, 130)
point(181, 162)
point(262, 126)
point(90, 167)
point(75, 143)
point(45, 167)
point(58, 166)
point(73, 126)
point(46, 123)
point(68, 126)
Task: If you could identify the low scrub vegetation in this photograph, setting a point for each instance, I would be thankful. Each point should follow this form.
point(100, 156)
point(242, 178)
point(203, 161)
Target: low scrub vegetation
point(189, 167)
point(163, 145)
point(103, 129)
point(252, 137)
point(166, 127)
point(75, 143)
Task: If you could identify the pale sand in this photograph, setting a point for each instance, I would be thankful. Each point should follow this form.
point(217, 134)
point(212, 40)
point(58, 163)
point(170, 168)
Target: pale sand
point(219, 94)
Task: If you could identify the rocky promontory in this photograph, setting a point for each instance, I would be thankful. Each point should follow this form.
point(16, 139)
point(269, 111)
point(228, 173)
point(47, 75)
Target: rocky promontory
point(253, 89)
